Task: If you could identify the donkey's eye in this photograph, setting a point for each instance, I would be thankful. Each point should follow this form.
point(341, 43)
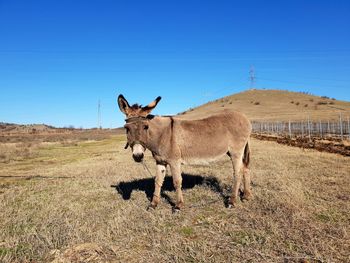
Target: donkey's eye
point(145, 127)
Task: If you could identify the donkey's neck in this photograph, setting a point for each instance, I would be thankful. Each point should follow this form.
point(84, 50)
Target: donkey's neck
point(160, 133)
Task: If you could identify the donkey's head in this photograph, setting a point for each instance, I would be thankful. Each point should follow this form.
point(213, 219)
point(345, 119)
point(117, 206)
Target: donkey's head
point(137, 125)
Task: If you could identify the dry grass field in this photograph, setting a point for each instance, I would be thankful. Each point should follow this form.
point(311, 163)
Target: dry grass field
point(276, 105)
point(85, 201)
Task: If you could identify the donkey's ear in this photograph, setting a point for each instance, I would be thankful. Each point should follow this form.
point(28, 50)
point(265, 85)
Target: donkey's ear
point(147, 109)
point(123, 104)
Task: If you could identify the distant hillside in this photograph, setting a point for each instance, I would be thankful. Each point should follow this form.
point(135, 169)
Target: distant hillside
point(275, 105)
point(15, 129)
point(29, 128)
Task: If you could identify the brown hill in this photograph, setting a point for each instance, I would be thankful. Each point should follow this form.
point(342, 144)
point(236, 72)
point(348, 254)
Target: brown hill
point(275, 105)
point(11, 128)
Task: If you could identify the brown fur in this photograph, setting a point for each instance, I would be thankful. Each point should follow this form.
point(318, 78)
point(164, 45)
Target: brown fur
point(174, 141)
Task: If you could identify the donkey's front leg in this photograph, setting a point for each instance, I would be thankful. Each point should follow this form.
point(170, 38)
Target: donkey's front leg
point(177, 181)
point(161, 170)
point(237, 177)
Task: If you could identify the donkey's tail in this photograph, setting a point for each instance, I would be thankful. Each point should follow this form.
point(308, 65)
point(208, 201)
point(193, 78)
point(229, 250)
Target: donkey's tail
point(246, 155)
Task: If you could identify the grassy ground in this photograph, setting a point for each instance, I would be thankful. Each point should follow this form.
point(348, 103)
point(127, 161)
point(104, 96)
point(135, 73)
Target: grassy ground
point(86, 202)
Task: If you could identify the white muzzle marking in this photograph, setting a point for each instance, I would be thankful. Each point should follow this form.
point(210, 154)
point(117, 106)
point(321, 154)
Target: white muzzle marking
point(138, 149)
point(137, 152)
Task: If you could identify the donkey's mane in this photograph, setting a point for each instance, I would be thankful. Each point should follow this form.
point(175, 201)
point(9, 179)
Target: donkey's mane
point(136, 106)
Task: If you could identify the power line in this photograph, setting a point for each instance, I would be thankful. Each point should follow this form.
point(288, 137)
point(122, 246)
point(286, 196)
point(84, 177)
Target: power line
point(302, 83)
point(313, 78)
point(123, 51)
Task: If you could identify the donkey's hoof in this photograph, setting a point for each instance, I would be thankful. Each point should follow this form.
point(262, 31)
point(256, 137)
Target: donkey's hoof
point(232, 203)
point(176, 210)
point(151, 207)
point(247, 197)
point(230, 206)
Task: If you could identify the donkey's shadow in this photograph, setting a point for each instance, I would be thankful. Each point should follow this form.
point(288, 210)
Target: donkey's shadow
point(189, 181)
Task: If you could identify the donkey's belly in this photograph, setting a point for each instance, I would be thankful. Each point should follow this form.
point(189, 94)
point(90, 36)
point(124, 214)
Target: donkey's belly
point(204, 147)
point(203, 160)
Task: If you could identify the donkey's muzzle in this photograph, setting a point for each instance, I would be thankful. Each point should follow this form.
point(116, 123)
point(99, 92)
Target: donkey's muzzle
point(138, 157)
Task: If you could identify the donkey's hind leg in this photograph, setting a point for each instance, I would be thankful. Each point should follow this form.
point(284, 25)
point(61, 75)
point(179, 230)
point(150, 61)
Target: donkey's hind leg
point(247, 194)
point(158, 182)
point(246, 172)
point(237, 177)
point(175, 168)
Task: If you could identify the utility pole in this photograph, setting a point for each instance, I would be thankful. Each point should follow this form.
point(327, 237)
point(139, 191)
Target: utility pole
point(99, 126)
point(252, 77)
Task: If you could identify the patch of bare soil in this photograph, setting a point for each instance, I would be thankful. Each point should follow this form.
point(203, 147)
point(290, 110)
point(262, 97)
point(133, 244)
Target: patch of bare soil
point(330, 145)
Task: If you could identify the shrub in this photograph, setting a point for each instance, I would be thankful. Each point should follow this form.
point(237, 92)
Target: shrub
point(306, 105)
point(292, 102)
point(297, 103)
point(322, 103)
point(257, 103)
point(305, 92)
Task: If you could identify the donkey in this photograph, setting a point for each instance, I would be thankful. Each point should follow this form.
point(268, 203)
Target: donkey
point(174, 141)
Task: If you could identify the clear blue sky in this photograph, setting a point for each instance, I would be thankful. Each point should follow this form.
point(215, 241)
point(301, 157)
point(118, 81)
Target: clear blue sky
point(58, 58)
